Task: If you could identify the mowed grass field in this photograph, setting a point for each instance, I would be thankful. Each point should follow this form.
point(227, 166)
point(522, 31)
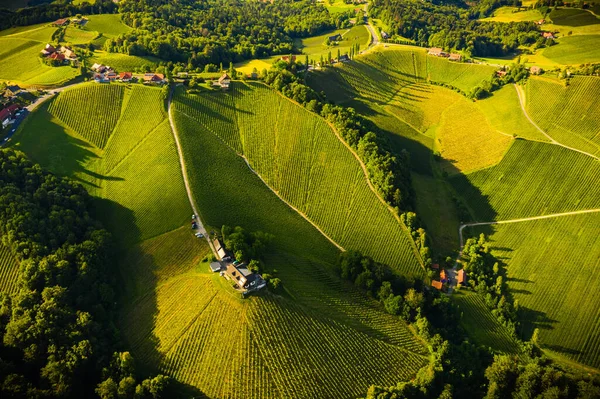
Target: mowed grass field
point(179, 319)
point(552, 269)
point(514, 14)
point(532, 179)
point(20, 62)
point(573, 50)
point(298, 155)
point(570, 114)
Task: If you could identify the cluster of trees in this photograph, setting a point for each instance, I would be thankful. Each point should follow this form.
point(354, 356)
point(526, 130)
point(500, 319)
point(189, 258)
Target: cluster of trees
point(389, 174)
point(57, 331)
point(453, 26)
point(487, 278)
point(514, 74)
point(218, 31)
point(53, 11)
point(418, 234)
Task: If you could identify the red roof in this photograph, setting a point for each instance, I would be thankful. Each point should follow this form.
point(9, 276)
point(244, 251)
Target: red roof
point(57, 56)
point(443, 275)
point(125, 75)
point(437, 284)
point(61, 21)
point(8, 111)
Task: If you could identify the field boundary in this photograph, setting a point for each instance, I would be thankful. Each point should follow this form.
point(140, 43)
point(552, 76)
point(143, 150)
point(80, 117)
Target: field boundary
point(521, 96)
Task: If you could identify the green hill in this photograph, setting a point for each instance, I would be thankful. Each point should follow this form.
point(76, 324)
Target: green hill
point(552, 272)
point(532, 179)
point(299, 156)
point(322, 338)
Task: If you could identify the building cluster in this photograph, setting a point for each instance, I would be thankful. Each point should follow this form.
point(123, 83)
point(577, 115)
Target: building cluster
point(439, 52)
point(8, 114)
point(238, 273)
point(444, 281)
point(62, 54)
point(105, 74)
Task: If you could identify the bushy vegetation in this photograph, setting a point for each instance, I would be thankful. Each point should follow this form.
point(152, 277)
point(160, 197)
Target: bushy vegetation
point(454, 26)
point(57, 329)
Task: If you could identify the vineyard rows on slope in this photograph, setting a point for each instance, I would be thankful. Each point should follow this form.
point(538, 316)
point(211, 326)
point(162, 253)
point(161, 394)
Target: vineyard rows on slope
point(9, 271)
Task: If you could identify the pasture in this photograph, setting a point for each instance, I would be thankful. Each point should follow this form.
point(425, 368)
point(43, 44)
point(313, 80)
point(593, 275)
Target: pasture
point(315, 47)
point(573, 50)
point(552, 268)
point(324, 182)
point(514, 14)
point(123, 62)
point(532, 179)
point(569, 114)
point(110, 25)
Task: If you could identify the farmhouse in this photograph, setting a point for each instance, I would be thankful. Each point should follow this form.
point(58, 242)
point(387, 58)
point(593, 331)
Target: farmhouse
point(384, 35)
point(215, 266)
point(335, 38)
point(223, 82)
point(61, 22)
point(548, 35)
point(455, 57)
point(535, 70)
point(98, 68)
point(49, 49)
point(111, 76)
point(219, 248)
point(7, 113)
point(541, 22)
point(437, 284)
point(462, 277)
point(438, 52)
point(12, 90)
point(68, 52)
point(244, 278)
point(286, 58)
point(154, 78)
point(100, 78)
point(501, 73)
point(125, 76)
point(58, 57)
point(344, 58)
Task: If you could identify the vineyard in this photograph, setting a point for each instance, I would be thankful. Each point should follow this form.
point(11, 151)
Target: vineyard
point(91, 110)
point(528, 182)
point(571, 114)
point(298, 155)
point(552, 269)
point(483, 327)
point(9, 271)
point(460, 75)
point(575, 50)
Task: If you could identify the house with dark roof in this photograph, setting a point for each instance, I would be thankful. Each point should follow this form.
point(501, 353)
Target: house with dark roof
point(49, 49)
point(455, 57)
point(244, 278)
point(335, 38)
point(12, 90)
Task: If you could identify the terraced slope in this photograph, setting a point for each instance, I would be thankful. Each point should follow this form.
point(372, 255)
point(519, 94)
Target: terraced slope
point(9, 270)
point(298, 155)
point(571, 114)
point(184, 322)
point(532, 179)
point(552, 269)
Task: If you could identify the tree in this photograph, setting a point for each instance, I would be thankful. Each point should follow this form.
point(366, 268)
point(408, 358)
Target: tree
point(108, 389)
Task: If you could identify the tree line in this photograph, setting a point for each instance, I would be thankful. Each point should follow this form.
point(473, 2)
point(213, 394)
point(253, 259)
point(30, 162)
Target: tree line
point(454, 26)
point(58, 338)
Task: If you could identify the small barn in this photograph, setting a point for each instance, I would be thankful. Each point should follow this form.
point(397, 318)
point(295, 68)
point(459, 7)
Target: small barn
point(443, 276)
point(462, 277)
point(535, 70)
point(436, 51)
point(215, 266)
point(335, 38)
point(437, 284)
point(455, 57)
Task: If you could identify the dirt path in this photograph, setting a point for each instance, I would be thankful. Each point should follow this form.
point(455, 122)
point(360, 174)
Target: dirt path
point(452, 272)
point(200, 228)
point(371, 29)
point(521, 96)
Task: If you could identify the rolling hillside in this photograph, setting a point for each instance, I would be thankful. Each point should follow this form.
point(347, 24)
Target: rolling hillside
point(182, 321)
point(532, 179)
point(552, 271)
point(298, 155)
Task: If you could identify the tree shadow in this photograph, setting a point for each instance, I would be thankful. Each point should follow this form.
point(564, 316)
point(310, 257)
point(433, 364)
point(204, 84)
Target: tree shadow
point(532, 319)
point(562, 349)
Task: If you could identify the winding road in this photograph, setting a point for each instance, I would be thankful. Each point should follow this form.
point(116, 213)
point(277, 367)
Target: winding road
point(371, 29)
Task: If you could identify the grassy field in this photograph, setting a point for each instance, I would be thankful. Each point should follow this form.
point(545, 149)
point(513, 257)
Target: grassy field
point(315, 46)
point(574, 50)
point(552, 271)
point(569, 114)
point(514, 14)
point(532, 179)
point(9, 271)
point(110, 25)
point(20, 62)
point(75, 35)
point(481, 326)
point(502, 112)
point(298, 155)
point(124, 62)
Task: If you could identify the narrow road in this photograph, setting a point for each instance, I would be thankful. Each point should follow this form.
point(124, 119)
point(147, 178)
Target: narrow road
point(452, 272)
point(521, 96)
point(200, 228)
point(375, 38)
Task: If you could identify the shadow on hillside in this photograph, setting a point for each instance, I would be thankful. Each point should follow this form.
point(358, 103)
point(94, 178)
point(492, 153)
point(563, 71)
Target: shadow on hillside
point(562, 349)
point(532, 319)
